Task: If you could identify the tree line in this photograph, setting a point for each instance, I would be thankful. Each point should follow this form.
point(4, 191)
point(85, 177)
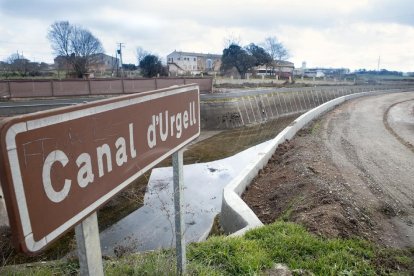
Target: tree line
point(77, 47)
point(16, 65)
point(382, 72)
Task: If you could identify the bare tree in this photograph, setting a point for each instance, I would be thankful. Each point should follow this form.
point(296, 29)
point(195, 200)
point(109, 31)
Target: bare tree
point(141, 54)
point(18, 64)
point(59, 36)
point(231, 40)
point(276, 50)
point(75, 44)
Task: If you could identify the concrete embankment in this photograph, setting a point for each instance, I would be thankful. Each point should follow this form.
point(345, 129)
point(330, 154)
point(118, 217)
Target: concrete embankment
point(236, 217)
point(235, 111)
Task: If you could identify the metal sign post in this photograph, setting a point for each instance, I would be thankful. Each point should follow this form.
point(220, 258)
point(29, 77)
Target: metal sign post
point(177, 159)
point(89, 246)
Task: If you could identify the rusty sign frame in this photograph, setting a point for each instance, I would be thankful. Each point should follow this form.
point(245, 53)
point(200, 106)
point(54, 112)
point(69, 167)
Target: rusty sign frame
point(11, 174)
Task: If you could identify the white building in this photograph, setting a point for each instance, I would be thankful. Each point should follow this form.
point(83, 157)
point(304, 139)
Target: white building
point(283, 69)
point(320, 72)
point(185, 63)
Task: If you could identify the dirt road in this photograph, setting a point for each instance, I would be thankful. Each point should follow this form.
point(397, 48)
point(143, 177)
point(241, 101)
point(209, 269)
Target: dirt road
point(350, 173)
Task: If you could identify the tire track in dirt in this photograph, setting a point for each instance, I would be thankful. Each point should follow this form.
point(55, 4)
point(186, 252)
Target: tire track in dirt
point(391, 130)
point(345, 175)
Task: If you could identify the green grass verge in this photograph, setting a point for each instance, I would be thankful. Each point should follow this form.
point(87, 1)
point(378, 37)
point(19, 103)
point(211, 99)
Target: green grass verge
point(258, 250)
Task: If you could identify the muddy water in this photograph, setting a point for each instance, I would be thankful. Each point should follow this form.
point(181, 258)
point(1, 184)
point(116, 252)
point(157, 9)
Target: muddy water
point(152, 226)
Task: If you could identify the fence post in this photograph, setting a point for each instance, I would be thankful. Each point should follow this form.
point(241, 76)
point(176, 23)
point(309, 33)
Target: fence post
point(51, 87)
point(9, 86)
point(89, 87)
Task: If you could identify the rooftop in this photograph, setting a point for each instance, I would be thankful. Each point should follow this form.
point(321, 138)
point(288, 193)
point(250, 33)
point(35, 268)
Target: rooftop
point(195, 54)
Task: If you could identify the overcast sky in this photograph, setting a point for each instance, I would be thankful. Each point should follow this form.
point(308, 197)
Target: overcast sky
point(350, 33)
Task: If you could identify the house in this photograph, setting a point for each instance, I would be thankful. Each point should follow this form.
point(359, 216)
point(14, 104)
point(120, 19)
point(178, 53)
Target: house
point(186, 63)
point(325, 72)
point(281, 68)
point(101, 62)
point(97, 63)
point(320, 72)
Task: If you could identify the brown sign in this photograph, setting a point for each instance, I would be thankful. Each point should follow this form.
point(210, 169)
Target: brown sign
point(59, 166)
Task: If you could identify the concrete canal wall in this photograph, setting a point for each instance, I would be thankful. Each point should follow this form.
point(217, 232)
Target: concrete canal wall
point(236, 217)
point(225, 113)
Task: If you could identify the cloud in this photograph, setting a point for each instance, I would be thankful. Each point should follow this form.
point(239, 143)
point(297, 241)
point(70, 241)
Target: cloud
point(356, 45)
point(325, 33)
point(46, 8)
point(384, 11)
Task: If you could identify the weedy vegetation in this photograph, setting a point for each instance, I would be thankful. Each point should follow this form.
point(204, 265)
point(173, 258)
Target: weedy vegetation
point(251, 254)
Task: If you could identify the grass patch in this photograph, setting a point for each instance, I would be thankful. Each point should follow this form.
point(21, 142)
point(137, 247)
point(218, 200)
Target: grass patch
point(231, 256)
point(152, 263)
point(291, 244)
point(42, 269)
point(258, 250)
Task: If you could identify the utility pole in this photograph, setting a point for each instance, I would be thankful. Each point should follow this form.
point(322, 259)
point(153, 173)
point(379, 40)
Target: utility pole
point(116, 63)
point(122, 69)
point(120, 57)
point(379, 60)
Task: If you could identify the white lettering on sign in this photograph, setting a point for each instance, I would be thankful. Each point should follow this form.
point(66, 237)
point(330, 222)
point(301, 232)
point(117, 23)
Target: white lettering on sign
point(162, 126)
point(85, 174)
point(52, 194)
point(168, 123)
